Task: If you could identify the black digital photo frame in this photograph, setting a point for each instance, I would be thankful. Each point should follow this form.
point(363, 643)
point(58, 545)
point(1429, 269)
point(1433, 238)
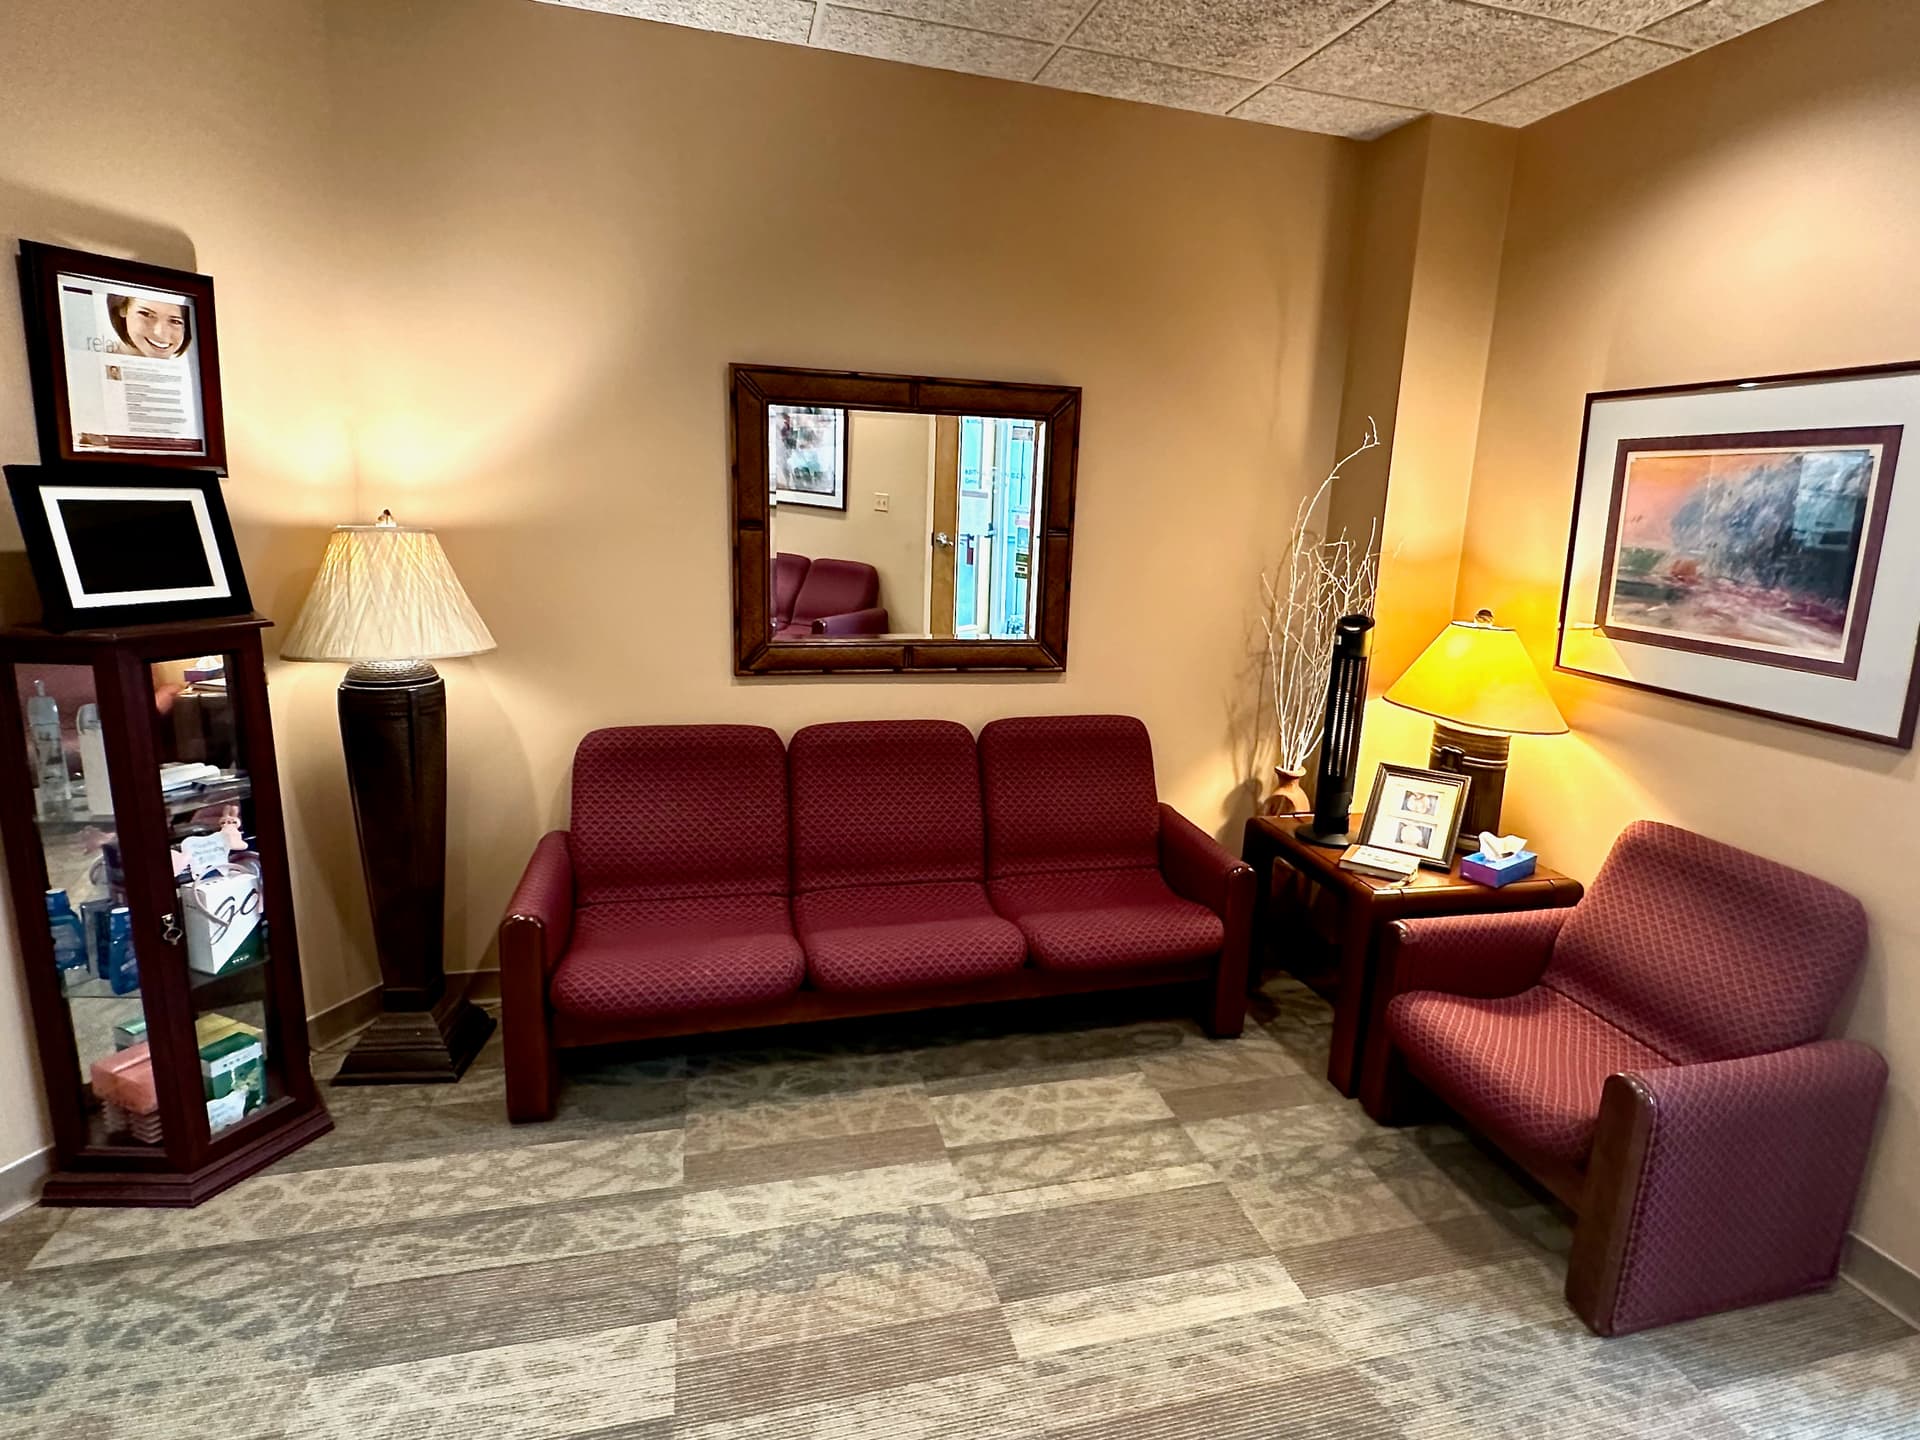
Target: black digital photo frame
point(129, 545)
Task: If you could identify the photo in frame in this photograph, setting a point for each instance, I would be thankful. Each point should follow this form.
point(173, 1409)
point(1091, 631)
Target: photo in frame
point(127, 546)
point(807, 451)
point(1416, 812)
point(1727, 546)
point(124, 360)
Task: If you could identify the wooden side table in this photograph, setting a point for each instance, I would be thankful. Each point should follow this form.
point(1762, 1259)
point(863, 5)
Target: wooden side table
point(1325, 924)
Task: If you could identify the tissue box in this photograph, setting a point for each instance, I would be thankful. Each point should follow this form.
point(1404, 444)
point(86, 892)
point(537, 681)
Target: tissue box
point(1483, 870)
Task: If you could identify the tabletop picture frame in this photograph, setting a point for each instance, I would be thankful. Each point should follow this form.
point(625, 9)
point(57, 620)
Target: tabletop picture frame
point(1416, 812)
point(124, 360)
point(127, 546)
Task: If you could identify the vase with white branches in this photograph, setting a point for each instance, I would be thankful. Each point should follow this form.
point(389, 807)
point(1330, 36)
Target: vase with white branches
point(1320, 579)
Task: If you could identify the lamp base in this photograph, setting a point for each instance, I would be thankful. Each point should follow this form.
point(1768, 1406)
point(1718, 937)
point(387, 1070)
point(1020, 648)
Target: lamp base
point(1482, 758)
point(1329, 840)
point(419, 1046)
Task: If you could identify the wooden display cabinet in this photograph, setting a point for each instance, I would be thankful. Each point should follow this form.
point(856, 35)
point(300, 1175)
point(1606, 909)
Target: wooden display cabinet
point(217, 962)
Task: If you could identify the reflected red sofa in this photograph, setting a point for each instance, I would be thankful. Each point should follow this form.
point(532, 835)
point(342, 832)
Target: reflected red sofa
point(712, 879)
point(1654, 1056)
point(825, 597)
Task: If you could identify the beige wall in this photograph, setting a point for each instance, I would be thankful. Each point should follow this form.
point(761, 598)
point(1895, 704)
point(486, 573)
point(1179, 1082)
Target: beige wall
point(891, 455)
point(511, 316)
point(1751, 211)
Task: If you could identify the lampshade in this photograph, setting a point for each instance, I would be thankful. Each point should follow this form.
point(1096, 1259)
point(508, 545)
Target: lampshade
point(385, 592)
point(1478, 674)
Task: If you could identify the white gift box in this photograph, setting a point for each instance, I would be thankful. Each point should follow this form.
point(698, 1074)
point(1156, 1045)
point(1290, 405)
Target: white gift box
point(223, 921)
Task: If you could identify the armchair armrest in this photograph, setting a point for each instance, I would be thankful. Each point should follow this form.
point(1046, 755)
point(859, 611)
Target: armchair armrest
point(871, 621)
point(539, 919)
point(1722, 1184)
point(1197, 867)
point(533, 937)
point(1481, 955)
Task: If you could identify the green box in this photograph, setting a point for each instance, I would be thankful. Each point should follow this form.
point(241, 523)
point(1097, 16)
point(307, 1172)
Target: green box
point(233, 1064)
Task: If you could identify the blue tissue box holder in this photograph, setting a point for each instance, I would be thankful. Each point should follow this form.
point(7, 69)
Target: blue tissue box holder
point(1483, 871)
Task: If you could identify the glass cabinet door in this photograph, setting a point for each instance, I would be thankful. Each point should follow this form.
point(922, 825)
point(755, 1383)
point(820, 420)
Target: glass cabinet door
point(217, 883)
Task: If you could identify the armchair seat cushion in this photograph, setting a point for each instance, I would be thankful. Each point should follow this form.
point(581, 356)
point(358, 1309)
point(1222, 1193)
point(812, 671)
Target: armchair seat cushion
point(662, 957)
point(889, 937)
point(1527, 1069)
point(1106, 919)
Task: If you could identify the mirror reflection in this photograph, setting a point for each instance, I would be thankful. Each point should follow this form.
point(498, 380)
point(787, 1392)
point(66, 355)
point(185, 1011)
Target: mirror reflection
point(902, 524)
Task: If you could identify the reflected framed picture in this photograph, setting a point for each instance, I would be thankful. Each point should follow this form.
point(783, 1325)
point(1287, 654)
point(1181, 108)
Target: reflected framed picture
point(807, 453)
point(130, 546)
point(1416, 812)
point(1733, 543)
point(124, 358)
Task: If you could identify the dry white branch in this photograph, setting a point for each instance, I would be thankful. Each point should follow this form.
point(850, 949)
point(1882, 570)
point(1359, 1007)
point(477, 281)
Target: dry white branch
point(1318, 581)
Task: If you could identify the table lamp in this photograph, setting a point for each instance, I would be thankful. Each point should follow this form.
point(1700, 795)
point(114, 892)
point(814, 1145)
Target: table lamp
point(387, 601)
point(1478, 683)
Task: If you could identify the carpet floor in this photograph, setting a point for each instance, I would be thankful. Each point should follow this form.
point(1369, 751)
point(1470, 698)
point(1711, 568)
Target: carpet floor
point(1074, 1223)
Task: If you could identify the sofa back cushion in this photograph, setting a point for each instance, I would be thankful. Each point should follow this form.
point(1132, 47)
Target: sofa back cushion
point(879, 802)
point(665, 811)
point(833, 587)
point(788, 571)
point(1069, 792)
point(1706, 952)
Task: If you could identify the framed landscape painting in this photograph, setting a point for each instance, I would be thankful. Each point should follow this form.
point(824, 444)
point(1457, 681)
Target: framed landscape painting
point(1736, 543)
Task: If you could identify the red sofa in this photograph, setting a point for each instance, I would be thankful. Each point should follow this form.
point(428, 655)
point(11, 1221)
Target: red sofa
point(825, 597)
point(713, 879)
point(1654, 1056)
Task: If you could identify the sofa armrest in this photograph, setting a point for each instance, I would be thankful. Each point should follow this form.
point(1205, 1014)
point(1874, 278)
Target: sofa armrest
point(1197, 867)
point(1480, 955)
point(539, 919)
point(871, 621)
point(1722, 1184)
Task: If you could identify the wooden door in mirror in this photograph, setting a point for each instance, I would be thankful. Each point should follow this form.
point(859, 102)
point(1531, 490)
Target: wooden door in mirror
point(900, 522)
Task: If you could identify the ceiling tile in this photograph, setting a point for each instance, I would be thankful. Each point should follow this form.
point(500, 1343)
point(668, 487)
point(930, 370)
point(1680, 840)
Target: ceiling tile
point(1252, 38)
point(787, 20)
point(1142, 80)
point(890, 37)
point(1031, 19)
point(1584, 78)
point(1441, 55)
point(1328, 114)
point(1621, 15)
point(1712, 21)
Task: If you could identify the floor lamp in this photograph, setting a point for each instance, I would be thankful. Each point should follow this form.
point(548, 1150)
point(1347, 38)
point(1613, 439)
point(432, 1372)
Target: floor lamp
point(387, 601)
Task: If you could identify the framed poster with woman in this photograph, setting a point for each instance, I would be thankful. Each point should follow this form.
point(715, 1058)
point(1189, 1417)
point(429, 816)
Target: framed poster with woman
point(124, 358)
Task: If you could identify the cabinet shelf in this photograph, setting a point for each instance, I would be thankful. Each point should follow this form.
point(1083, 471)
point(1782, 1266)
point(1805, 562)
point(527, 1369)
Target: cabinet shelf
point(77, 816)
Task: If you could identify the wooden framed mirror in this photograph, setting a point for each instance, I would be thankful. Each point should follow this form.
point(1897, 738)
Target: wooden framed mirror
point(899, 522)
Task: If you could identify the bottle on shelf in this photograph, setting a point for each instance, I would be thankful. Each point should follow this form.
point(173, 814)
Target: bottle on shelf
point(51, 792)
point(123, 970)
point(69, 940)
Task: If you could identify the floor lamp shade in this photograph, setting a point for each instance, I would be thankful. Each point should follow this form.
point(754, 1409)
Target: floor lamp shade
point(1480, 686)
point(387, 601)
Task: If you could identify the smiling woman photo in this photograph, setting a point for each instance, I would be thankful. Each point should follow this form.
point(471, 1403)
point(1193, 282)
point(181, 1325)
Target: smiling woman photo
point(157, 329)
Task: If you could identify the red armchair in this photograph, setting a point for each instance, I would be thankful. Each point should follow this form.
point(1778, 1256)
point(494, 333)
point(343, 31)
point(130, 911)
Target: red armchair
point(832, 597)
point(1654, 1057)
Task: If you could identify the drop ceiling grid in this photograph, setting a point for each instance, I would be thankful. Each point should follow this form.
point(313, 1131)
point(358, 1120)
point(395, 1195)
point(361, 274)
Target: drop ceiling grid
point(1347, 67)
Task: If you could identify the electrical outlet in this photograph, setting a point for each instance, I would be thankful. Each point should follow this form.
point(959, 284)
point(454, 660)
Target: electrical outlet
point(882, 500)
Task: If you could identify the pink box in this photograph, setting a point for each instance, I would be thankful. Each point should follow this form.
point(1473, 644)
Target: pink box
point(1482, 871)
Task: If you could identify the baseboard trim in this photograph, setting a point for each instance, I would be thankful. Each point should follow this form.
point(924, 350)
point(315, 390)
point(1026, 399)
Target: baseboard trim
point(1880, 1277)
point(327, 1028)
point(20, 1181)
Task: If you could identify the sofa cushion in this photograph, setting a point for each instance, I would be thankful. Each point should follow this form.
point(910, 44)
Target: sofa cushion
point(1106, 919)
point(889, 937)
point(1525, 1069)
point(885, 801)
point(788, 571)
point(1707, 952)
point(661, 811)
point(1068, 792)
point(663, 957)
point(833, 587)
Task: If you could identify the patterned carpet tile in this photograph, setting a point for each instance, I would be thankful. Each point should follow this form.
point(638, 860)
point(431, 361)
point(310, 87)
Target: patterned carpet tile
point(1082, 1221)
